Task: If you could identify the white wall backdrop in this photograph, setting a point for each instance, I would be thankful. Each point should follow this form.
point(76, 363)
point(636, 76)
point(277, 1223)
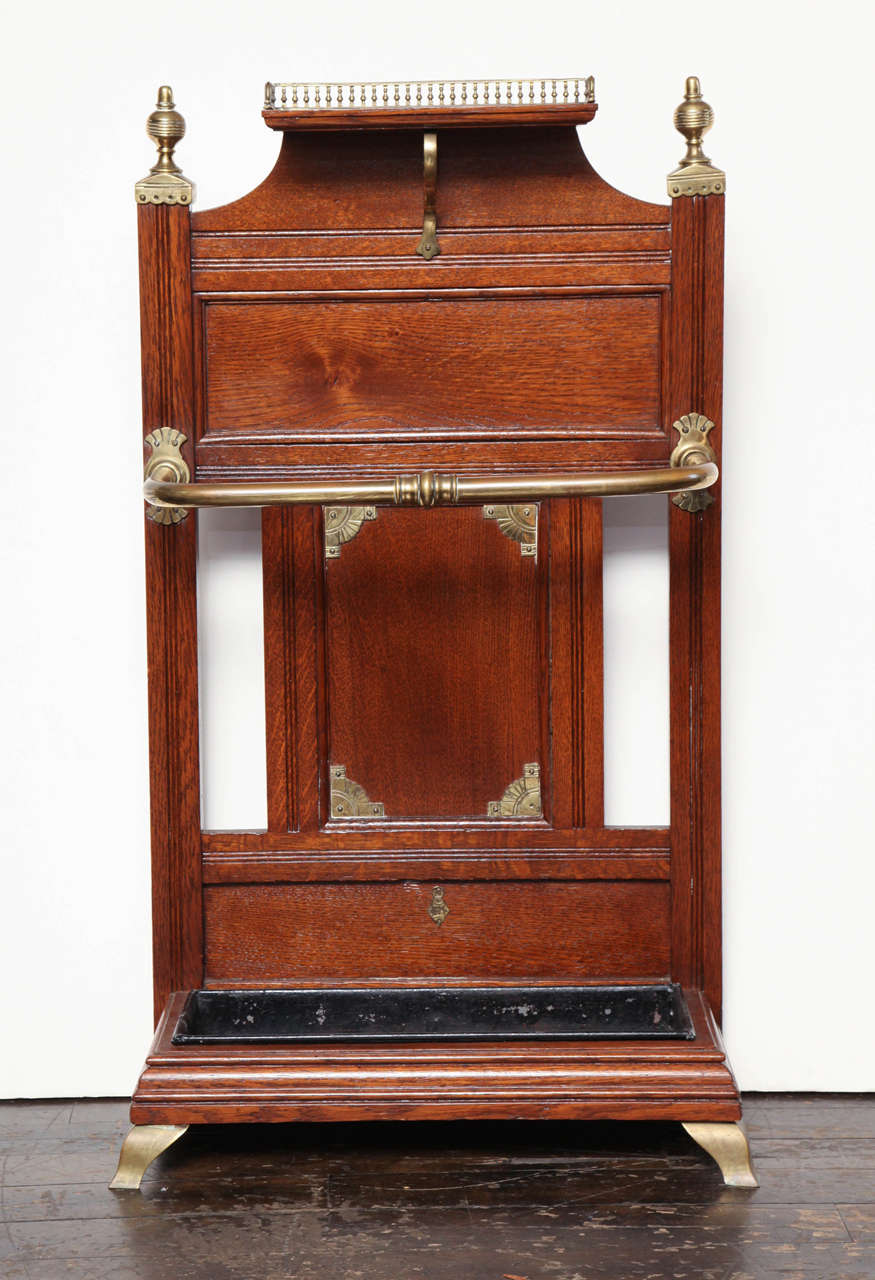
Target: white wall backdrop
point(786, 82)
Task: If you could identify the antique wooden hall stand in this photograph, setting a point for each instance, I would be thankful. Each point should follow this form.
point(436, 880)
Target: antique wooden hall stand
point(427, 345)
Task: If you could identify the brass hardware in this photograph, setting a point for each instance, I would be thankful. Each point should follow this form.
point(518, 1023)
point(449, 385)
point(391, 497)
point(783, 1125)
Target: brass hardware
point(696, 175)
point(142, 1145)
point(166, 463)
point(522, 799)
point(429, 489)
point(428, 246)
point(519, 523)
point(437, 908)
point(691, 450)
point(166, 183)
point(414, 95)
point(728, 1145)
point(342, 524)
point(348, 799)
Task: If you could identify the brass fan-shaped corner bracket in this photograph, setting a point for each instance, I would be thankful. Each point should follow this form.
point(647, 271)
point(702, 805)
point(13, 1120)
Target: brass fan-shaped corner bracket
point(342, 524)
point(166, 463)
point(519, 523)
point(522, 799)
point(692, 448)
point(349, 799)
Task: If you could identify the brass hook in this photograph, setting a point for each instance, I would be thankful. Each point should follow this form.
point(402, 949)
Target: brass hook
point(428, 246)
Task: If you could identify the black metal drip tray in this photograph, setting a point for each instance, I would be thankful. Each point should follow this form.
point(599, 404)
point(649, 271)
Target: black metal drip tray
point(381, 1014)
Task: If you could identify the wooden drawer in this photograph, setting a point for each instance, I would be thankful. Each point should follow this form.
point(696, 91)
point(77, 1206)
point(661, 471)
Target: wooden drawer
point(275, 935)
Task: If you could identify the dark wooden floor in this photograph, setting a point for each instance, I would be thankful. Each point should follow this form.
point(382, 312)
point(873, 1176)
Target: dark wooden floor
point(444, 1202)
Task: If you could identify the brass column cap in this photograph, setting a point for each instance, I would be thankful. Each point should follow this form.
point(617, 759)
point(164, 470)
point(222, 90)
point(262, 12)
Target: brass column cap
point(165, 183)
point(696, 176)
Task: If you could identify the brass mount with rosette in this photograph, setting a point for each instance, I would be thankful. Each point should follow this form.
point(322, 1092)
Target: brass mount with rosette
point(168, 464)
point(692, 449)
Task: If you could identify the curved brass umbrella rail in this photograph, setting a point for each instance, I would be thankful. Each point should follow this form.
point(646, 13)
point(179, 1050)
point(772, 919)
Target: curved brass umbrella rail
point(425, 489)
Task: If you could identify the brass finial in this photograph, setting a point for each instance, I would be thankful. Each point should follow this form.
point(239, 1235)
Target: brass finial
point(696, 175)
point(166, 183)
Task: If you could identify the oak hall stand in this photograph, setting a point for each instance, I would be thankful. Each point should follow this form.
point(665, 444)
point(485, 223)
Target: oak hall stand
point(426, 345)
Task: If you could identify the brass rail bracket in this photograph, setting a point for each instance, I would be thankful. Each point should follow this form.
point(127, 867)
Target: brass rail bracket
point(428, 246)
point(166, 463)
point(691, 449)
point(696, 175)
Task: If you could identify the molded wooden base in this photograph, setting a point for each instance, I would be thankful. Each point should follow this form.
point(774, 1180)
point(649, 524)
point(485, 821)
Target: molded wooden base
point(690, 1081)
point(686, 1080)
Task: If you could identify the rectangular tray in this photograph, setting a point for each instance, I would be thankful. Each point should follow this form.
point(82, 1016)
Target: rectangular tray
point(387, 1014)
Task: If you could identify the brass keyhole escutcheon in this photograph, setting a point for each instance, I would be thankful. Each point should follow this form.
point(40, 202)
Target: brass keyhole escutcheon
point(437, 908)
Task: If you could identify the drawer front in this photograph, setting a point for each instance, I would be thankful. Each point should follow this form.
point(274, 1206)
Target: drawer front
point(280, 935)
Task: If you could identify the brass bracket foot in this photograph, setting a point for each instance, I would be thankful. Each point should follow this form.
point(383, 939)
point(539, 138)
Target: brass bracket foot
point(728, 1145)
point(139, 1149)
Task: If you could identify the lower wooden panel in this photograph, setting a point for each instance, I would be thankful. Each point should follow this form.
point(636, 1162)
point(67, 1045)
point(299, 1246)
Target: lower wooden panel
point(630, 1080)
point(433, 687)
point(279, 935)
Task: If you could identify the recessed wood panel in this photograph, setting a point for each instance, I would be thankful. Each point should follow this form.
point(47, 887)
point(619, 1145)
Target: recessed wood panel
point(436, 660)
point(281, 934)
point(435, 367)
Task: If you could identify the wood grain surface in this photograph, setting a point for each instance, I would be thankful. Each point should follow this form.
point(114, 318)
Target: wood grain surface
point(535, 1201)
point(171, 611)
point(294, 333)
point(694, 607)
point(410, 368)
point(279, 934)
point(528, 178)
point(436, 649)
